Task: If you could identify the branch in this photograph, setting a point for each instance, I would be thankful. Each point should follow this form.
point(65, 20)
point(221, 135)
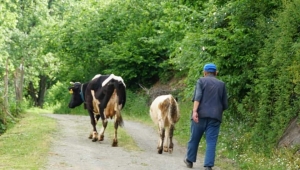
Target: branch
point(145, 89)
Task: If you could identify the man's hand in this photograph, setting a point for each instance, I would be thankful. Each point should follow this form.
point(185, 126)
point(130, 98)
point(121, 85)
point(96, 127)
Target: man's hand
point(195, 117)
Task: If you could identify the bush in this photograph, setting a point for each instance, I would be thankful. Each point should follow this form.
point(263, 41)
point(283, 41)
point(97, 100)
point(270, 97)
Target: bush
point(57, 100)
point(136, 106)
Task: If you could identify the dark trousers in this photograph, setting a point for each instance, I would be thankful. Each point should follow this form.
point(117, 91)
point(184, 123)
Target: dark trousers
point(209, 127)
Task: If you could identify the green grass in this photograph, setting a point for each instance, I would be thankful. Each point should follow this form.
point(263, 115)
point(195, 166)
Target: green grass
point(25, 146)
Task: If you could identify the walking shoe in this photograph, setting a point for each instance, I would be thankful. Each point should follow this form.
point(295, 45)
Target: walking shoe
point(188, 163)
point(207, 168)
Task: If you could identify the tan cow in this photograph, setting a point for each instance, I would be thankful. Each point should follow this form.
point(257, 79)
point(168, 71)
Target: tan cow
point(164, 112)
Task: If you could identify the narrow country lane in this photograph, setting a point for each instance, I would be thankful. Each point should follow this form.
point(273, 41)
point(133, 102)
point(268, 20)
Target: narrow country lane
point(72, 150)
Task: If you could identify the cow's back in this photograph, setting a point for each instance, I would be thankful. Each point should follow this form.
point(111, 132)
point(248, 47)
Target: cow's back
point(96, 82)
point(93, 86)
point(155, 112)
point(164, 109)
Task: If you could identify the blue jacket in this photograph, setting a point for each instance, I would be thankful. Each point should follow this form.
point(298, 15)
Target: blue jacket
point(211, 93)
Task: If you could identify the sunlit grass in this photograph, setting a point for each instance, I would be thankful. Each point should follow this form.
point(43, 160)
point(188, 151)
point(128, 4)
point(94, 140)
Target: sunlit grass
point(25, 146)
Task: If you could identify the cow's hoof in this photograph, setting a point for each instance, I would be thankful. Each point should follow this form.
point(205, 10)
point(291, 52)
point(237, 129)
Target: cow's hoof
point(170, 150)
point(115, 143)
point(160, 149)
point(101, 137)
point(166, 149)
point(91, 136)
point(94, 136)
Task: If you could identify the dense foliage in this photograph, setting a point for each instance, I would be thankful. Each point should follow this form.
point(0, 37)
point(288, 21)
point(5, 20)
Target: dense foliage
point(254, 43)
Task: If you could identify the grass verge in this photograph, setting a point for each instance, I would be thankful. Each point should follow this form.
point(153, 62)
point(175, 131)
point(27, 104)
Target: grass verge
point(25, 146)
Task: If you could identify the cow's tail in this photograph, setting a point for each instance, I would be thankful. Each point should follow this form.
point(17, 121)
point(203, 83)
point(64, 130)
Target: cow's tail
point(121, 93)
point(119, 119)
point(173, 111)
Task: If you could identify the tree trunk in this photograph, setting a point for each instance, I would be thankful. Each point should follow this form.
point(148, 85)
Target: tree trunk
point(5, 106)
point(32, 93)
point(38, 96)
point(19, 79)
point(42, 90)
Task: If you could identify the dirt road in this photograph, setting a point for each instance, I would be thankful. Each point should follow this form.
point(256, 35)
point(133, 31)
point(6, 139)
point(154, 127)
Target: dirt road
point(72, 150)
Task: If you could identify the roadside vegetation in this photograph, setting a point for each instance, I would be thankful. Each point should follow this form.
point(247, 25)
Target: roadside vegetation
point(26, 144)
point(232, 138)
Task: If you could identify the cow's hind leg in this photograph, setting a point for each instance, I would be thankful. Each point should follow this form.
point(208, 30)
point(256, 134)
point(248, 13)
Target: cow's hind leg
point(104, 125)
point(91, 135)
point(171, 145)
point(115, 140)
point(102, 106)
point(162, 138)
point(166, 142)
point(94, 134)
point(118, 122)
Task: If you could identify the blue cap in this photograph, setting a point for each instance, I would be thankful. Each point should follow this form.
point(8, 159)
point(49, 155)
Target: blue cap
point(210, 67)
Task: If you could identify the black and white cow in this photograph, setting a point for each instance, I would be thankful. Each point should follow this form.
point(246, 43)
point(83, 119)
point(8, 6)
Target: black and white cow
point(104, 96)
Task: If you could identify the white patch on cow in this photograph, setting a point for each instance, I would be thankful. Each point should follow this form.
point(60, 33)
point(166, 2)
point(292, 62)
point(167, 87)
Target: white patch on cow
point(96, 103)
point(96, 76)
point(112, 76)
point(95, 135)
point(155, 113)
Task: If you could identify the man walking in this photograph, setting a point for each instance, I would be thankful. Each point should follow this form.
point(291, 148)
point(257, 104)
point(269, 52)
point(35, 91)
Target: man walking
point(210, 100)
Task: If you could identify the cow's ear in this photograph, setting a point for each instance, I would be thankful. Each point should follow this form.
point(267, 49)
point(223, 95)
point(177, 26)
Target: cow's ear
point(71, 91)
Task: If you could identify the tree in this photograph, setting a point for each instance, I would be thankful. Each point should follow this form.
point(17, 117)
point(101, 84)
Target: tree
point(7, 25)
point(134, 43)
point(275, 94)
point(28, 44)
